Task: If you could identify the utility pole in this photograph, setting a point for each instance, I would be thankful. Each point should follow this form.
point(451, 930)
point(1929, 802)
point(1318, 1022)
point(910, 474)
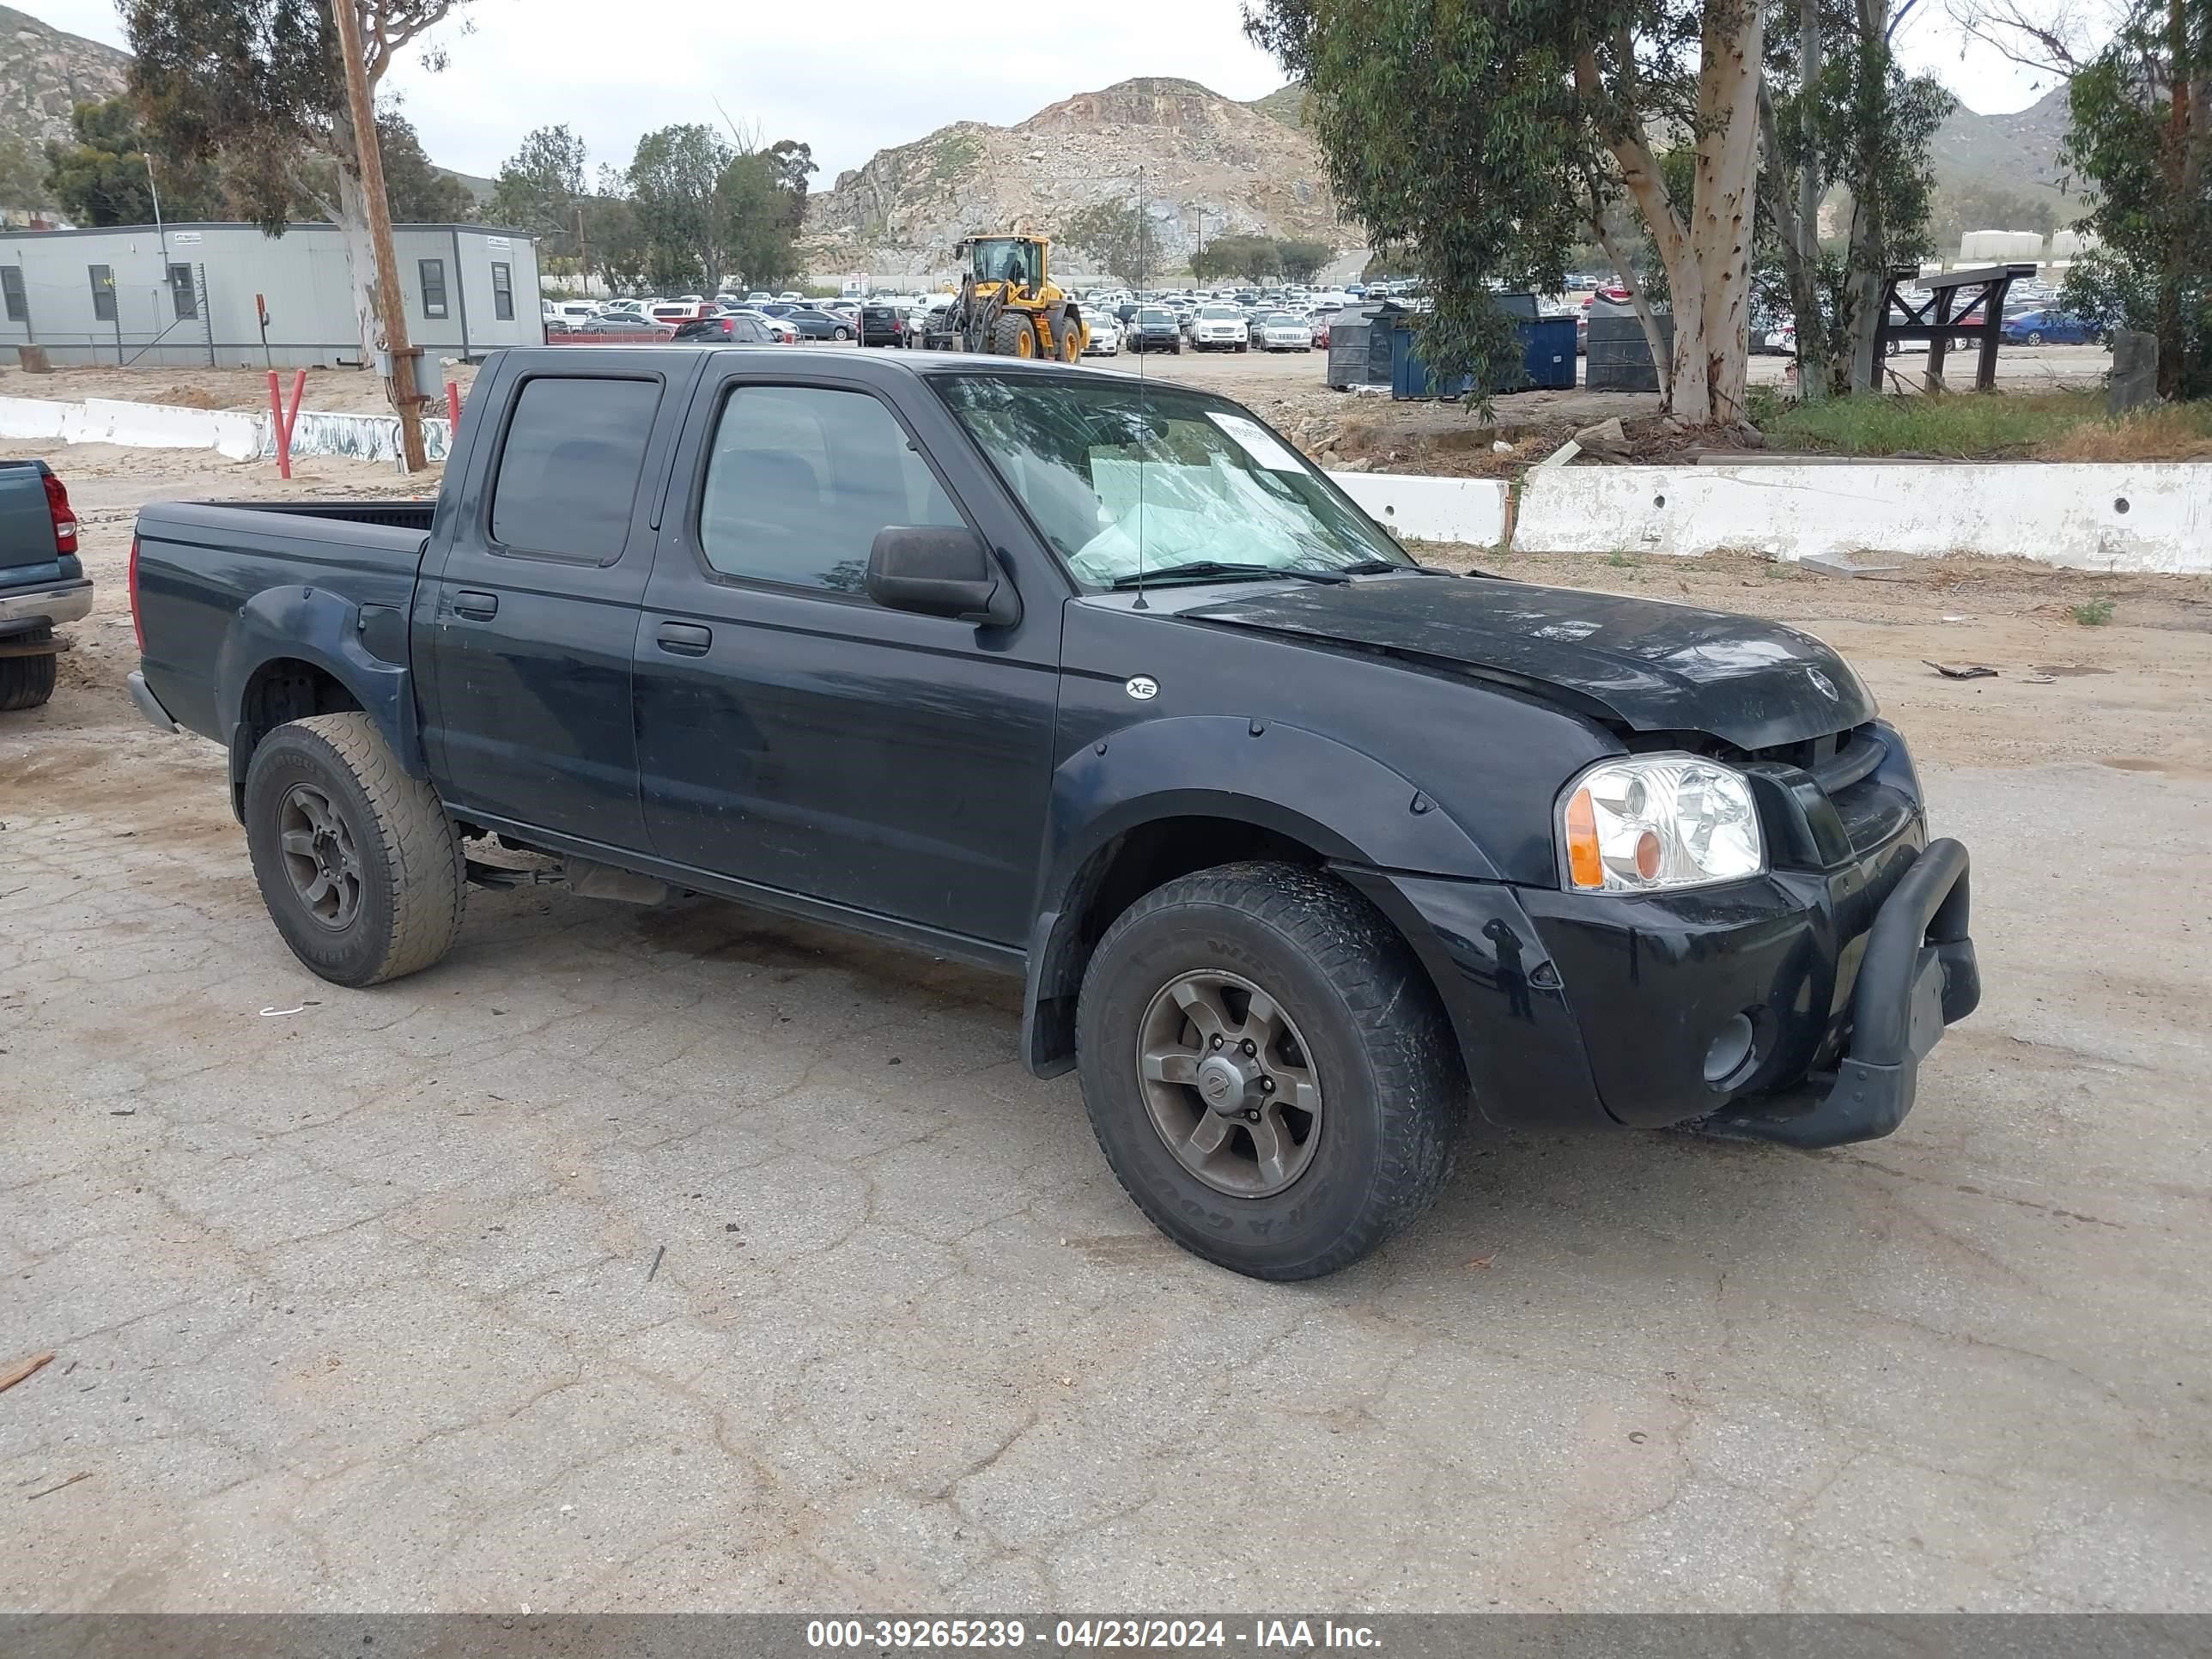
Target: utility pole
point(584, 253)
point(392, 315)
point(1198, 259)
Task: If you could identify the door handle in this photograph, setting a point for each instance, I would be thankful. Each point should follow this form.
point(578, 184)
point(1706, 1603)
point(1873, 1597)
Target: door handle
point(683, 639)
point(477, 607)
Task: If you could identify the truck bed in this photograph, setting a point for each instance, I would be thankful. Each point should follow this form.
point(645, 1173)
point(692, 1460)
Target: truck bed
point(199, 564)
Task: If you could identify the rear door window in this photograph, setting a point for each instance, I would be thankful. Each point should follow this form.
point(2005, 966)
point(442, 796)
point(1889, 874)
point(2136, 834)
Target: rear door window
point(569, 470)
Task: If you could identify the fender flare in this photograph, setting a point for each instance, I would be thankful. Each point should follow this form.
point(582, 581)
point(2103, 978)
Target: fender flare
point(335, 634)
point(1214, 766)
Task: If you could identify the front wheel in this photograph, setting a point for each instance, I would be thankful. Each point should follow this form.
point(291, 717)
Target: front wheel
point(361, 868)
point(2035, 338)
point(1266, 1069)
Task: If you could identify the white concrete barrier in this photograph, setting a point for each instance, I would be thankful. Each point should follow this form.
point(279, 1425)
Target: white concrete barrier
point(31, 417)
point(149, 425)
point(1431, 509)
point(2148, 516)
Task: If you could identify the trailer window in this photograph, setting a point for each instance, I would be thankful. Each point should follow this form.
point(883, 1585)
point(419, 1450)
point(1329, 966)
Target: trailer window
point(432, 273)
point(503, 293)
point(103, 292)
point(184, 293)
point(11, 289)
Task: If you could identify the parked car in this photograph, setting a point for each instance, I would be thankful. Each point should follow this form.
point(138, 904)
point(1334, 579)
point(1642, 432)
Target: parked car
point(42, 582)
point(2053, 327)
point(1663, 866)
point(1102, 334)
point(729, 329)
point(1284, 330)
point(624, 322)
point(775, 326)
point(813, 324)
point(567, 313)
point(1215, 327)
point(882, 325)
point(1153, 328)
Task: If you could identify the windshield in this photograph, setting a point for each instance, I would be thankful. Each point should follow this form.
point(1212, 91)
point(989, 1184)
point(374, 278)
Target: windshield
point(1221, 313)
point(1006, 258)
point(1114, 472)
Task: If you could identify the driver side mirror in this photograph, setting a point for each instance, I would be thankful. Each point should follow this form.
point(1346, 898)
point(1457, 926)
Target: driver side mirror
point(941, 573)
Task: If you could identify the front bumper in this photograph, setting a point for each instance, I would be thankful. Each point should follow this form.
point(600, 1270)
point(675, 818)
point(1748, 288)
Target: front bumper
point(1839, 968)
point(68, 602)
point(1918, 976)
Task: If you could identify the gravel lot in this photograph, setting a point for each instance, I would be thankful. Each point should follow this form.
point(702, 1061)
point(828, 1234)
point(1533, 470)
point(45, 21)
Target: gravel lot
point(684, 1258)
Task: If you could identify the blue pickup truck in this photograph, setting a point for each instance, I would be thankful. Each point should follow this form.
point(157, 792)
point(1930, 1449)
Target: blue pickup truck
point(1297, 845)
point(42, 583)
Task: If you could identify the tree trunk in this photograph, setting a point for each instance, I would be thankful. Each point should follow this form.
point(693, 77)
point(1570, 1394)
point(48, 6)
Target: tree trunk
point(362, 274)
point(1800, 260)
point(1865, 279)
point(1708, 258)
point(1712, 341)
point(2173, 337)
point(1804, 278)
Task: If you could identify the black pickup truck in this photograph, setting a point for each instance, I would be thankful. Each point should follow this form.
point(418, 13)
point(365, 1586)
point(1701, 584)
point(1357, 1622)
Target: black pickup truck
point(1297, 845)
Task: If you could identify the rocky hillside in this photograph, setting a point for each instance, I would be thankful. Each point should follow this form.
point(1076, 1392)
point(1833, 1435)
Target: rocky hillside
point(1173, 144)
point(44, 72)
point(2017, 152)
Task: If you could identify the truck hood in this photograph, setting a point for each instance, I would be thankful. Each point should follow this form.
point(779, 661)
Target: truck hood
point(1644, 663)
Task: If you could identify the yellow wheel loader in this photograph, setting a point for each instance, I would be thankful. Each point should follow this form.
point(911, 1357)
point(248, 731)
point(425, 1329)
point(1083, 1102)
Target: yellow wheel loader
point(1008, 304)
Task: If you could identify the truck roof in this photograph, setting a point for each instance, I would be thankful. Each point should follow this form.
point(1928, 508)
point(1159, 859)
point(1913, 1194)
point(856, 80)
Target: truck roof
point(885, 364)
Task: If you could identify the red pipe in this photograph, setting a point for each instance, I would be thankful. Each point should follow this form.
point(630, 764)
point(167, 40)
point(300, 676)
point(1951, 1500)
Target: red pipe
point(453, 410)
point(278, 429)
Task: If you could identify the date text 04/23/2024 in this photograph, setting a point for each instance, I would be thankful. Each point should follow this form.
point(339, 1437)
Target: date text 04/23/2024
point(1280, 1635)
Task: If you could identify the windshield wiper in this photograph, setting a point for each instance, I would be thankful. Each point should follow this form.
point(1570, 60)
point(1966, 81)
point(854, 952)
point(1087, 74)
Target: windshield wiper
point(1387, 566)
point(1198, 569)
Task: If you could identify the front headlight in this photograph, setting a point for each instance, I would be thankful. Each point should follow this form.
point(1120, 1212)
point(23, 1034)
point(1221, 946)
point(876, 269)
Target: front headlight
point(1659, 821)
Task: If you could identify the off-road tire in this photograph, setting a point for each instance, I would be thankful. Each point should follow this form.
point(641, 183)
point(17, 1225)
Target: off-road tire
point(1394, 1095)
point(1008, 333)
point(27, 682)
point(413, 885)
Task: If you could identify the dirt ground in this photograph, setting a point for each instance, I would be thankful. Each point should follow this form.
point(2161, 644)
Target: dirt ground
point(654, 1259)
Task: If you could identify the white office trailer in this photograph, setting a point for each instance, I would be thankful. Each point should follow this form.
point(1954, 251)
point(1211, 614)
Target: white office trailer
point(198, 293)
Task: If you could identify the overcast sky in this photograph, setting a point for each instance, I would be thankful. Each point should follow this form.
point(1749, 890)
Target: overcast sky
point(852, 78)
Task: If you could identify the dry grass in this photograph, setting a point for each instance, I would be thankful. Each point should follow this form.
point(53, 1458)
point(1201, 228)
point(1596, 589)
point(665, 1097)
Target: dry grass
point(2176, 432)
point(2041, 426)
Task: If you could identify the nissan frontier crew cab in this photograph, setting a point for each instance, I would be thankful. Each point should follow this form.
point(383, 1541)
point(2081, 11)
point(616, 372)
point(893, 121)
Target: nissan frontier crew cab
point(1297, 846)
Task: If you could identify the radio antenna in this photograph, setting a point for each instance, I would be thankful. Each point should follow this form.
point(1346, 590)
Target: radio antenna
point(1144, 405)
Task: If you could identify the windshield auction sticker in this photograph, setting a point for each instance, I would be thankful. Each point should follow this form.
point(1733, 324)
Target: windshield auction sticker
point(1254, 439)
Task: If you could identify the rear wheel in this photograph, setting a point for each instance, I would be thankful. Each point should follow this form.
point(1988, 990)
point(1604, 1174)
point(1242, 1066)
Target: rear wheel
point(360, 866)
point(1266, 1069)
point(2035, 337)
point(1013, 337)
point(27, 682)
point(841, 333)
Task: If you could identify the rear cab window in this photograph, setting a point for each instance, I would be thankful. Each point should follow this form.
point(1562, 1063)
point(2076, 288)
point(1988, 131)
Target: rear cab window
point(569, 466)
